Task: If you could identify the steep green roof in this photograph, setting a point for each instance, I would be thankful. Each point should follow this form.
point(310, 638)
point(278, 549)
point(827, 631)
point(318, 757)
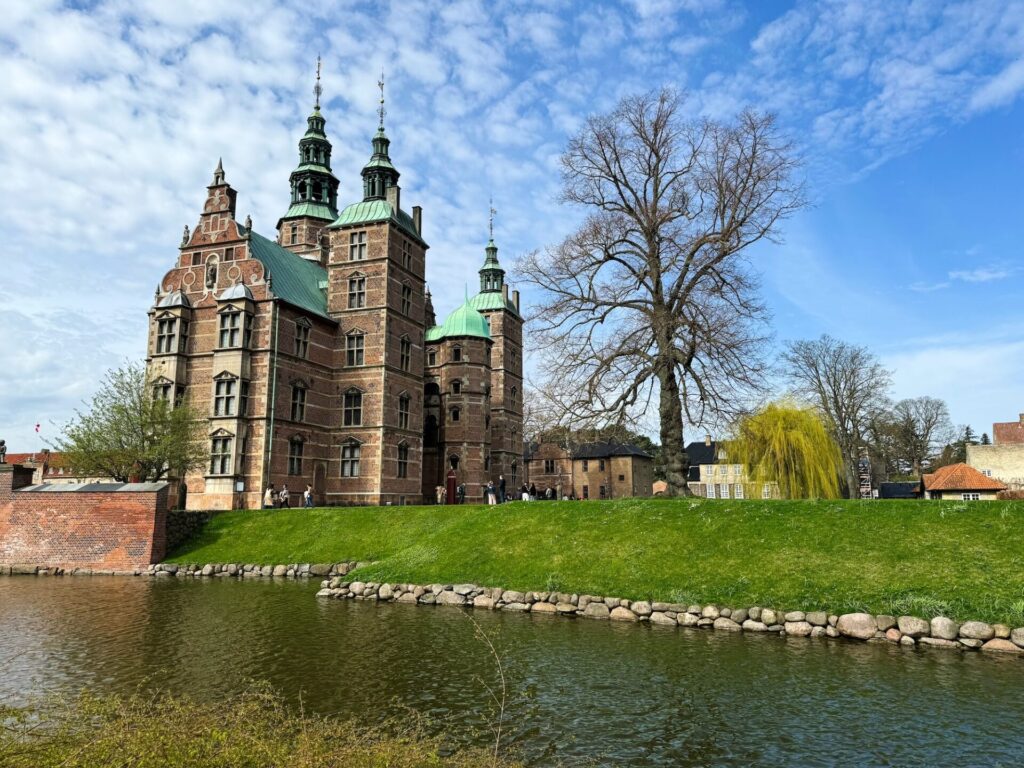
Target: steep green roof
point(464, 321)
point(372, 211)
point(313, 167)
point(491, 300)
point(294, 279)
point(307, 208)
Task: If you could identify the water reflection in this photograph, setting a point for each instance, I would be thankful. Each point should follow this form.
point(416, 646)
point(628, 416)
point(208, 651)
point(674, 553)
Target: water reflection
point(618, 694)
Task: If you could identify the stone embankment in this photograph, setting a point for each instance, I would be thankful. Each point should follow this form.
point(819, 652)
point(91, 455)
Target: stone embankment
point(230, 570)
point(908, 631)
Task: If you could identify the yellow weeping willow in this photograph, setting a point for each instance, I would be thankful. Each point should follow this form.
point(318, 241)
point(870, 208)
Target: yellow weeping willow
point(788, 444)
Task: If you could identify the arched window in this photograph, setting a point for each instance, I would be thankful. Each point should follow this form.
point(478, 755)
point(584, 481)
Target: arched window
point(453, 461)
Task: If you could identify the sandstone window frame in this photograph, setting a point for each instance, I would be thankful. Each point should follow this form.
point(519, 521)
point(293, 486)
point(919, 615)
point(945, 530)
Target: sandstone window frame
point(432, 356)
point(221, 458)
point(356, 290)
point(234, 327)
point(406, 254)
point(549, 466)
point(457, 354)
point(298, 401)
point(455, 414)
point(406, 299)
point(166, 334)
point(303, 328)
point(293, 234)
point(514, 397)
point(351, 453)
point(404, 401)
point(357, 246)
point(352, 408)
point(355, 348)
point(405, 353)
point(296, 449)
point(456, 386)
point(403, 459)
point(225, 394)
point(163, 389)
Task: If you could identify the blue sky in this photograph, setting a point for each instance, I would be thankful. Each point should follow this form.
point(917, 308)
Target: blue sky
point(909, 114)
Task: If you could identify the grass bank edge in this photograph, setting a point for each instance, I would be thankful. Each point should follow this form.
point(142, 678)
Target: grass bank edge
point(961, 559)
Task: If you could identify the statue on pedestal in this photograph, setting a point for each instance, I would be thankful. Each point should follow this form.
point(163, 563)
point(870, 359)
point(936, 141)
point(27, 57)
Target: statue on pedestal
point(3, 452)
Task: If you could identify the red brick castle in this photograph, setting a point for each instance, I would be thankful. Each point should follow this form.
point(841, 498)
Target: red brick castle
point(317, 356)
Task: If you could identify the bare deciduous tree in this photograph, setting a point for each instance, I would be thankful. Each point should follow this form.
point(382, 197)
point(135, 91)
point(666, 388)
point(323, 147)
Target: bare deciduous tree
point(847, 383)
point(921, 427)
point(652, 296)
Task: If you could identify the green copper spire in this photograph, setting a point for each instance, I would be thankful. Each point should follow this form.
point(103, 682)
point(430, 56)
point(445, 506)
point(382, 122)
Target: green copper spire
point(379, 174)
point(492, 276)
point(314, 186)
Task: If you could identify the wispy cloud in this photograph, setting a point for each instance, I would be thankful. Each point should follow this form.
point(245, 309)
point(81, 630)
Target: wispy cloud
point(977, 275)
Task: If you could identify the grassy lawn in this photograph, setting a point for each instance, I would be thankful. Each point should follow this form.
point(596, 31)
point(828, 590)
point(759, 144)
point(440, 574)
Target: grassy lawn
point(964, 560)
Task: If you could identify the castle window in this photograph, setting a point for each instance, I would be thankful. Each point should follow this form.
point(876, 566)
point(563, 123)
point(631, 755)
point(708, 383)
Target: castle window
point(162, 391)
point(455, 414)
point(431, 357)
point(601, 491)
point(229, 254)
point(600, 465)
point(301, 339)
point(586, 491)
point(403, 412)
point(356, 292)
point(298, 403)
point(295, 448)
point(220, 456)
point(406, 300)
point(183, 338)
point(224, 397)
point(487, 462)
point(352, 412)
point(406, 254)
point(739, 491)
point(514, 399)
point(293, 234)
point(549, 466)
point(456, 387)
point(456, 354)
point(350, 459)
point(247, 339)
point(586, 465)
point(357, 246)
point(354, 349)
point(165, 335)
point(179, 395)
point(230, 329)
point(403, 460)
point(243, 398)
point(405, 354)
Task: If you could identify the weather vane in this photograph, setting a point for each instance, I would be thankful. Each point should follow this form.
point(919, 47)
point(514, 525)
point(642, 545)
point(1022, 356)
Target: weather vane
point(380, 109)
point(317, 89)
point(491, 217)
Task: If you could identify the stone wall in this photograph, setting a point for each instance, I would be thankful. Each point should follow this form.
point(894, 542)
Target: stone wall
point(117, 527)
point(182, 525)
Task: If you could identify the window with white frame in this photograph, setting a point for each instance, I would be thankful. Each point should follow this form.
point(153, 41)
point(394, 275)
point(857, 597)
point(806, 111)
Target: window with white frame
point(766, 491)
point(739, 491)
point(354, 349)
point(350, 459)
point(352, 411)
point(709, 490)
point(357, 246)
point(356, 292)
point(220, 456)
point(970, 496)
point(723, 490)
point(987, 472)
point(165, 335)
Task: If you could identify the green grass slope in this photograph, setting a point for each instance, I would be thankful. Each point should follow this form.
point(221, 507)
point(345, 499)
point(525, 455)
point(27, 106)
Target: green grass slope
point(923, 558)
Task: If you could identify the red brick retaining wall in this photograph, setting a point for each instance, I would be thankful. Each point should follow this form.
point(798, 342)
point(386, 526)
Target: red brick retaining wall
point(112, 527)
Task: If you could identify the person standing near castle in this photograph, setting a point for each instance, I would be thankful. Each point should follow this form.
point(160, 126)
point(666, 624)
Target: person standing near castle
point(307, 497)
point(284, 496)
point(492, 493)
point(268, 497)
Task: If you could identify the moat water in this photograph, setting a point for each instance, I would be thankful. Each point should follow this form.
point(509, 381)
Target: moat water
point(581, 692)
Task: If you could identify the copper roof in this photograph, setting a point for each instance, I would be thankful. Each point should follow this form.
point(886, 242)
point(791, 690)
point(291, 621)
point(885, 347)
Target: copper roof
point(960, 477)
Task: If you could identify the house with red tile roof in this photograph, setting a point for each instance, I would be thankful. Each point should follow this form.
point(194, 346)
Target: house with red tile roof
point(1008, 432)
point(961, 482)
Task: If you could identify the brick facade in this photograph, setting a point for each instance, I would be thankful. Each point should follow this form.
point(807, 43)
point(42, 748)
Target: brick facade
point(120, 528)
point(323, 329)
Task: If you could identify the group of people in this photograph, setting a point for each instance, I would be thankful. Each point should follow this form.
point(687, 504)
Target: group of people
point(273, 499)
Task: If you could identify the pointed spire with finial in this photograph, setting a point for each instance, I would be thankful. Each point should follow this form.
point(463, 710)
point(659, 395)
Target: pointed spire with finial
point(379, 174)
point(218, 173)
point(317, 89)
point(380, 109)
point(492, 276)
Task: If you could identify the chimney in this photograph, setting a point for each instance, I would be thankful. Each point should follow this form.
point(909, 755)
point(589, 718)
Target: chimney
point(707, 440)
point(393, 195)
point(1022, 418)
point(417, 219)
point(504, 293)
point(515, 299)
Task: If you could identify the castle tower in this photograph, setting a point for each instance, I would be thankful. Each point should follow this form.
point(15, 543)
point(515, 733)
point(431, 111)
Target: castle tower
point(376, 270)
point(314, 188)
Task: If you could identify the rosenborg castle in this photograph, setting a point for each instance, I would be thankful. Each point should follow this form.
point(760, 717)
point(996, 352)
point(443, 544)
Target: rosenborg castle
point(316, 354)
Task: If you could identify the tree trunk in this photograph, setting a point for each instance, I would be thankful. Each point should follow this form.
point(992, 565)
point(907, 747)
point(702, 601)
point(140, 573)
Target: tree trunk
point(670, 411)
point(852, 477)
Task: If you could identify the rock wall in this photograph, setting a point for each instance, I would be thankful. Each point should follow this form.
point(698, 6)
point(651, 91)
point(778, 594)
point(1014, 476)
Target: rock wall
point(182, 525)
